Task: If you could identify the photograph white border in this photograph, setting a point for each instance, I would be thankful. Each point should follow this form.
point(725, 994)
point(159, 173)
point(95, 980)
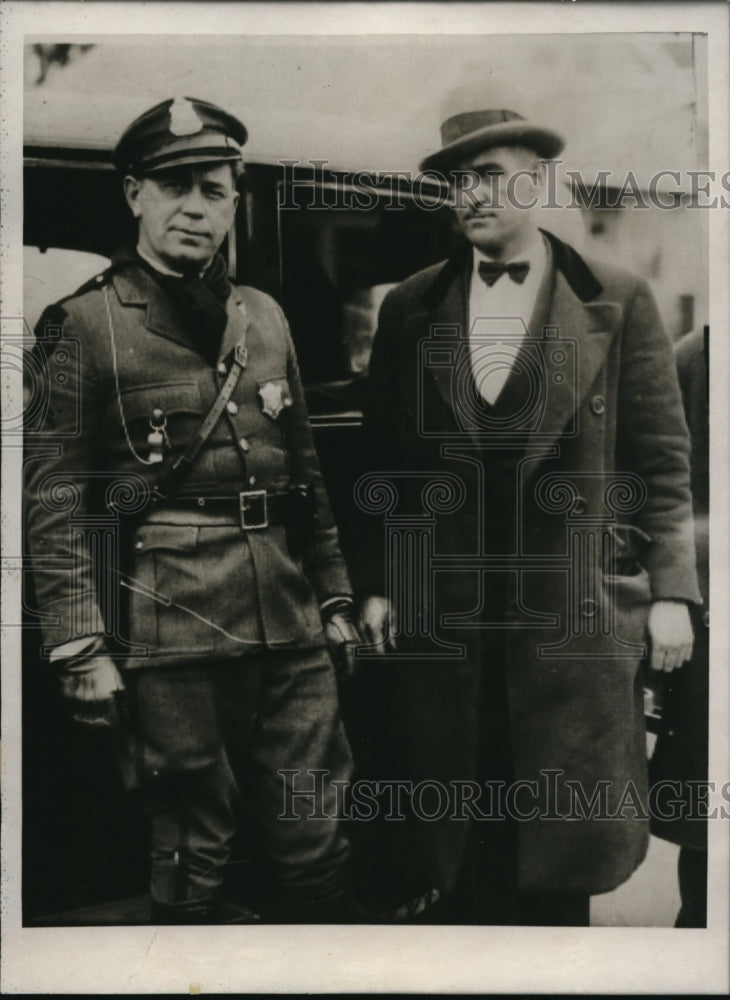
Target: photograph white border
point(426, 959)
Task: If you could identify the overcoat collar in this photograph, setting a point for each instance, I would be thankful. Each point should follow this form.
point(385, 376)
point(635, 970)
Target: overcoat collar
point(565, 311)
point(136, 288)
point(574, 269)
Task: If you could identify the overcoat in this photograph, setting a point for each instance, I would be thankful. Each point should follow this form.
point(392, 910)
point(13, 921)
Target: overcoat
point(680, 756)
point(587, 449)
point(171, 586)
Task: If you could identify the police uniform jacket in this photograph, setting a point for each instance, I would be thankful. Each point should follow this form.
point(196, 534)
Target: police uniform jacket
point(600, 525)
point(174, 584)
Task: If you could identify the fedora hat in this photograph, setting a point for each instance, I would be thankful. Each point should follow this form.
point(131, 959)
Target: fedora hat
point(472, 131)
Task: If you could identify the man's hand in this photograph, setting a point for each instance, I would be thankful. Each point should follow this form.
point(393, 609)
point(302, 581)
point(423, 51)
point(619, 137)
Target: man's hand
point(342, 638)
point(88, 688)
point(670, 631)
point(377, 622)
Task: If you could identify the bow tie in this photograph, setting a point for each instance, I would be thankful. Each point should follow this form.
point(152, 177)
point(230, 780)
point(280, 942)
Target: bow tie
point(490, 270)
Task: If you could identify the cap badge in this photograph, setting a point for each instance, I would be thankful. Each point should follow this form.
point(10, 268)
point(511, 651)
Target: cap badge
point(274, 398)
point(183, 117)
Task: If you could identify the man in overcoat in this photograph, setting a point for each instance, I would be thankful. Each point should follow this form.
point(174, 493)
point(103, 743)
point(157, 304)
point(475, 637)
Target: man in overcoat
point(528, 455)
point(187, 566)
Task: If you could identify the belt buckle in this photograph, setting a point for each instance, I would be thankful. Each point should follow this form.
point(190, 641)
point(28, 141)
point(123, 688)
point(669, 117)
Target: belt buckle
point(253, 509)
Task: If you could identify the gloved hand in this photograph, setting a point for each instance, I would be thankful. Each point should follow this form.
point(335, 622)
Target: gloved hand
point(93, 690)
point(342, 637)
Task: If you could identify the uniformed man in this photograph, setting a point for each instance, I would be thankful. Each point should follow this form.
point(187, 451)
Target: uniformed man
point(187, 565)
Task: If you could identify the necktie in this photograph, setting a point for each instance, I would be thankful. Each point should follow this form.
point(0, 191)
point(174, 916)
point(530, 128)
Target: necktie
point(490, 270)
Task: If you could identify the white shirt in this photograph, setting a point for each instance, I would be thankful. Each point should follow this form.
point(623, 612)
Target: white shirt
point(498, 317)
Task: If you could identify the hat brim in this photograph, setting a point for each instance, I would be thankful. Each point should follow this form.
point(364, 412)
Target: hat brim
point(546, 143)
point(201, 158)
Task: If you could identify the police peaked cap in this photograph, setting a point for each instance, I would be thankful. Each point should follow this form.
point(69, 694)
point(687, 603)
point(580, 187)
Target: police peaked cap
point(179, 131)
point(474, 131)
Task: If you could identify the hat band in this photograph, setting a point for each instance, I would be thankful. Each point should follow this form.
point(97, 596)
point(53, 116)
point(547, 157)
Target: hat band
point(210, 145)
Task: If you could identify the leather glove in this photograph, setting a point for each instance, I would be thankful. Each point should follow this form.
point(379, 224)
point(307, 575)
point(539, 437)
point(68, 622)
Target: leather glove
point(342, 637)
point(93, 690)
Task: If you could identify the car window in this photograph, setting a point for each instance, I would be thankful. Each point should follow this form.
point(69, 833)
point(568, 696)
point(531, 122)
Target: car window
point(339, 260)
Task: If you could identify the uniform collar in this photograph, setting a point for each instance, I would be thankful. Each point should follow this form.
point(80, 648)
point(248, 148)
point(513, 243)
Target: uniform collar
point(160, 268)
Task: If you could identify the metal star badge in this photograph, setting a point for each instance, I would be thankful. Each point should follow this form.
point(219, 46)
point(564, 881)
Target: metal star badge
point(273, 399)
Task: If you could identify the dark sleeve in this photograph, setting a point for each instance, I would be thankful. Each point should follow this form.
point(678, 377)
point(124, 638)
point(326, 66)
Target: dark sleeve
point(323, 560)
point(657, 446)
point(61, 416)
point(380, 442)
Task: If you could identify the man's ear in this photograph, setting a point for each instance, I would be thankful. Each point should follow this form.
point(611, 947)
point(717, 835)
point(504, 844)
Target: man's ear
point(132, 190)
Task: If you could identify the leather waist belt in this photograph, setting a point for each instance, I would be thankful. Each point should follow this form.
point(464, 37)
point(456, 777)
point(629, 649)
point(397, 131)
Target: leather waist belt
point(254, 509)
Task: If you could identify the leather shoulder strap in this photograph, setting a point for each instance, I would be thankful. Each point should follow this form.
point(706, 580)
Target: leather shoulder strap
point(175, 476)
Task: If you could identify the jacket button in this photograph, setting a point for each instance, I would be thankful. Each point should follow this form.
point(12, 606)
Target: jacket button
point(580, 506)
point(598, 405)
point(706, 619)
point(232, 407)
point(243, 444)
point(222, 370)
point(588, 607)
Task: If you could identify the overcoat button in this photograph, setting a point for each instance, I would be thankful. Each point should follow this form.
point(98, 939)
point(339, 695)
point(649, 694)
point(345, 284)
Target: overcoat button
point(580, 506)
point(222, 370)
point(231, 407)
point(598, 405)
point(243, 444)
point(588, 607)
point(138, 545)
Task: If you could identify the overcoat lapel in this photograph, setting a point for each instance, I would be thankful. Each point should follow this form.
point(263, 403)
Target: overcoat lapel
point(445, 306)
point(563, 312)
point(580, 332)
